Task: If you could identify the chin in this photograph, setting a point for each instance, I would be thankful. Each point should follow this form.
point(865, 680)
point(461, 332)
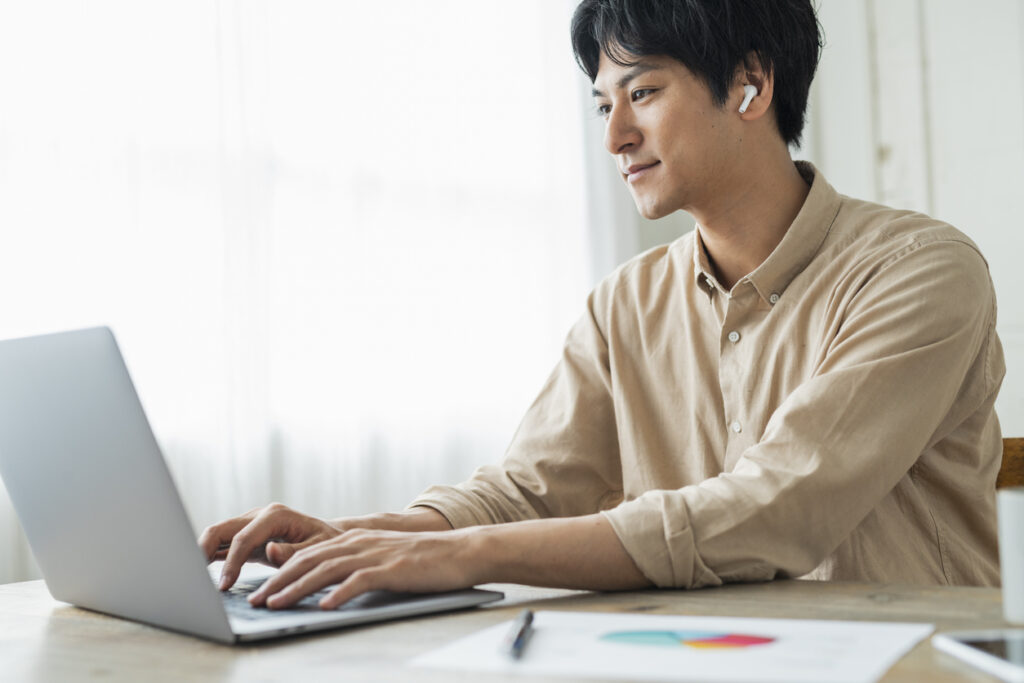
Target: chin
point(651, 211)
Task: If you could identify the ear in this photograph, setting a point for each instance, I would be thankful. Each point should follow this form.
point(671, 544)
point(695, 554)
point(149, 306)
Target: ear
point(750, 72)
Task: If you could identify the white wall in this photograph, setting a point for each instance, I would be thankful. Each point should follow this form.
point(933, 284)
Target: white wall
point(920, 104)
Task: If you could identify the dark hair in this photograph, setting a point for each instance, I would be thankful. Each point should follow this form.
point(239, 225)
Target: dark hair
point(711, 38)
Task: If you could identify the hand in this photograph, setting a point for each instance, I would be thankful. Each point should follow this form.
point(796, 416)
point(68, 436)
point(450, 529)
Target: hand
point(270, 535)
point(362, 560)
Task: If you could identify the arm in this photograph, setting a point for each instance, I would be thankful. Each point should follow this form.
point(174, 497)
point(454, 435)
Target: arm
point(416, 551)
point(578, 552)
point(414, 519)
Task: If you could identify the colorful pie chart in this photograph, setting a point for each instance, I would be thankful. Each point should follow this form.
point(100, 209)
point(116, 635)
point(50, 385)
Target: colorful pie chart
point(696, 639)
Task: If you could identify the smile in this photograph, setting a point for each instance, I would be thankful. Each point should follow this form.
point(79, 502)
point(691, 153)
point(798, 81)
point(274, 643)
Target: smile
point(639, 171)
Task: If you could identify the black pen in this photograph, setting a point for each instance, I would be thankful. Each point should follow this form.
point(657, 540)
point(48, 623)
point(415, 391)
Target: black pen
point(515, 641)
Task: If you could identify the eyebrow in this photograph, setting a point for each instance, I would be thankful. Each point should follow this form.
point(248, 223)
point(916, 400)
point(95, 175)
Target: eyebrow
point(639, 69)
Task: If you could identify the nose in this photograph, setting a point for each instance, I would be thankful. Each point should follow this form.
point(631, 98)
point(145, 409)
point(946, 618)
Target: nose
point(621, 132)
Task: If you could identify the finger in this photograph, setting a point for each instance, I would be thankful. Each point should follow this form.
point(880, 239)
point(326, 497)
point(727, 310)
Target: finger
point(300, 564)
point(258, 555)
point(252, 538)
point(323, 574)
point(358, 582)
point(316, 550)
point(217, 535)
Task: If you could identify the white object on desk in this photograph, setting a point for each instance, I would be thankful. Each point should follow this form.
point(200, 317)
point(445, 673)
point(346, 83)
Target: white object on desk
point(679, 648)
point(1010, 502)
point(999, 652)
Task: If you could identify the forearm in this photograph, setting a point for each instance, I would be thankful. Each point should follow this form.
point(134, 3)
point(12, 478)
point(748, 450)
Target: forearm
point(415, 519)
point(575, 552)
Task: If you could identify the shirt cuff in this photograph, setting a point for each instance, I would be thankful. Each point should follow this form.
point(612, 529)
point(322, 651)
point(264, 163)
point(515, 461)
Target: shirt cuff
point(458, 507)
point(656, 533)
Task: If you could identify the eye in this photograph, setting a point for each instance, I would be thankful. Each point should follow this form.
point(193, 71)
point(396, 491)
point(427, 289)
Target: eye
point(603, 109)
point(641, 93)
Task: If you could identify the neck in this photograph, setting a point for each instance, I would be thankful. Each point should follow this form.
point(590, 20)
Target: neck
point(752, 213)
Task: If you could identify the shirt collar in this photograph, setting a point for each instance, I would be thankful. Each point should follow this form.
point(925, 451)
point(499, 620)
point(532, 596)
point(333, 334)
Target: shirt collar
point(798, 247)
point(702, 271)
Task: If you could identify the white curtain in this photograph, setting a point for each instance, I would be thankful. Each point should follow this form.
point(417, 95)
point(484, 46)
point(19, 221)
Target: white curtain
point(339, 242)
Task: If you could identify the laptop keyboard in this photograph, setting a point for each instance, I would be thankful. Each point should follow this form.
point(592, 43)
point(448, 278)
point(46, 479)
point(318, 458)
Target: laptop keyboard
point(236, 601)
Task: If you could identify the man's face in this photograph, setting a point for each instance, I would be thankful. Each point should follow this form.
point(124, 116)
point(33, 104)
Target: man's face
point(672, 145)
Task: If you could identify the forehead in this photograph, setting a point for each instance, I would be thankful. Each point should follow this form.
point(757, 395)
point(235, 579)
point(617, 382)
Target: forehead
point(613, 76)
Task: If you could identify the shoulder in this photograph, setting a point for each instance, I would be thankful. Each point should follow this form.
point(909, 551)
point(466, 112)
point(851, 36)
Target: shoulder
point(883, 235)
point(871, 246)
point(908, 275)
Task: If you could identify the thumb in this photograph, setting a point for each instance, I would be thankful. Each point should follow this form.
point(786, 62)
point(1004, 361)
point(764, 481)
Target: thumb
point(278, 553)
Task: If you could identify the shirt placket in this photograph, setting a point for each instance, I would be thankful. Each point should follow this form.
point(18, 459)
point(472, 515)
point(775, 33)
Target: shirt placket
point(733, 367)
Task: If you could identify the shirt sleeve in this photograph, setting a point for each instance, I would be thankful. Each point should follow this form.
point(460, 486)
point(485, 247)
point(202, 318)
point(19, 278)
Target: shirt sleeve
point(891, 384)
point(564, 458)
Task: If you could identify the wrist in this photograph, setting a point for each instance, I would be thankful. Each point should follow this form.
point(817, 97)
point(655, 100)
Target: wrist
point(479, 553)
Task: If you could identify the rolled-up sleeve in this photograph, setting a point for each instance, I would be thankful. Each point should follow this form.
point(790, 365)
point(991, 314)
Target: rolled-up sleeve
point(909, 360)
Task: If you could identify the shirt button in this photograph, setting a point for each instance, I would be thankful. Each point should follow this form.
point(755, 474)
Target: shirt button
point(734, 336)
point(736, 427)
point(774, 298)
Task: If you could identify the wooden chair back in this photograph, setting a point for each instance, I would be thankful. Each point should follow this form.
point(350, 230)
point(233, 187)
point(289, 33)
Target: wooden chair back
point(1011, 473)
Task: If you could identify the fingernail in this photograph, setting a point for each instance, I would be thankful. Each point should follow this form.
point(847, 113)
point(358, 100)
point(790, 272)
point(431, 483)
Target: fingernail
point(223, 581)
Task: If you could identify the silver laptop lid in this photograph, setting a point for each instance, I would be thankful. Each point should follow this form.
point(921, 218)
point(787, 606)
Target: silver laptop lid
point(91, 488)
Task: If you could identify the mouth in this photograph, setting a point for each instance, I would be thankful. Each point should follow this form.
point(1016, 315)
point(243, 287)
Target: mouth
point(637, 172)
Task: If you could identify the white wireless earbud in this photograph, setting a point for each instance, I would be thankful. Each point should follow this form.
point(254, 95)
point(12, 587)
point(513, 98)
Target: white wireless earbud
point(748, 94)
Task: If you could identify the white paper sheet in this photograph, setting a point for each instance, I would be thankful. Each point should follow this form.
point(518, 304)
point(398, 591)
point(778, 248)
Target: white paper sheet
point(676, 648)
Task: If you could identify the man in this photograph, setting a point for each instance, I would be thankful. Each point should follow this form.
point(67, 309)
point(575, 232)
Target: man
point(802, 387)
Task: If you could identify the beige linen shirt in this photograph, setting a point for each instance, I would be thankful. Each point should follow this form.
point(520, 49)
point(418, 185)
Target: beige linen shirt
point(831, 416)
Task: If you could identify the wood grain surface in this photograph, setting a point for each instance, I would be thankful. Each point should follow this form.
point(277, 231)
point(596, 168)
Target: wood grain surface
point(1011, 473)
point(44, 640)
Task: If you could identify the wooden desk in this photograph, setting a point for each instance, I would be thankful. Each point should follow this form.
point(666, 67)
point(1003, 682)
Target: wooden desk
point(44, 640)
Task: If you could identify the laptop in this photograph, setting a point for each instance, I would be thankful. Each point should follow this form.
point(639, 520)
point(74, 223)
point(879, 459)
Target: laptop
point(102, 514)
